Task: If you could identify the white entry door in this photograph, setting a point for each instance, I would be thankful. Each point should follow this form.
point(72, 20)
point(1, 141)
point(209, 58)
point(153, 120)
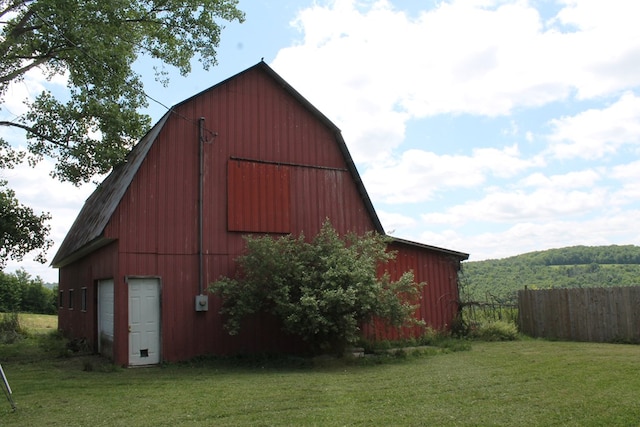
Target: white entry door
point(105, 318)
point(144, 321)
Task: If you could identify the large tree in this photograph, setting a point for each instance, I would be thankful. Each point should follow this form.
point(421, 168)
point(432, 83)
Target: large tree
point(93, 44)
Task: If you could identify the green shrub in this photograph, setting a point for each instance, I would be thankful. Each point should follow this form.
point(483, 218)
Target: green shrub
point(498, 330)
point(320, 290)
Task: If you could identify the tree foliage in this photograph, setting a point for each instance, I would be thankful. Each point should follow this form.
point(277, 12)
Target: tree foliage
point(21, 230)
point(19, 292)
point(321, 290)
point(571, 267)
point(578, 255)
point(94, 44)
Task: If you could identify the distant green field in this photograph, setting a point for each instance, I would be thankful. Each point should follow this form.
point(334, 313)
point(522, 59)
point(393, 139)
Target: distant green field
point(518, 383)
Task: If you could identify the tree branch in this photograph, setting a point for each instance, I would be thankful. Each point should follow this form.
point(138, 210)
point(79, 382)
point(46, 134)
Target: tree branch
point(18, 28)
point(34, 132)
point(22, 70)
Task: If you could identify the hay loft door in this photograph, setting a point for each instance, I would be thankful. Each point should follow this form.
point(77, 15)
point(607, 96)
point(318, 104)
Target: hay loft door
point(144, 321)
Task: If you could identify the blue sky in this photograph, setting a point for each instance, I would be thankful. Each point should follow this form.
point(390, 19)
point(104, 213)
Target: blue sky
point(484, 126)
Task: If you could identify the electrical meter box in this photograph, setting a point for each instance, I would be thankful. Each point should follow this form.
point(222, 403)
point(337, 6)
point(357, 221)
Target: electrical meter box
point(202, 302)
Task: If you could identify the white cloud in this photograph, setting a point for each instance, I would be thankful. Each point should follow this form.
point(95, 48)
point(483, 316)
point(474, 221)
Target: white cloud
point(370, 66)
point(629, 177)
point(529, 136)
point(504, 163)
point(594, 133)
point(628, 172)
point(575, 179)
point(591, 14)
point(395, 223)
point(417, 175)
point(604, 45)
point(16, 95)
point(505, 206)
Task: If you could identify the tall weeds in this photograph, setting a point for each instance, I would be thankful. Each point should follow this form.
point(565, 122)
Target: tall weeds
point(10, 328)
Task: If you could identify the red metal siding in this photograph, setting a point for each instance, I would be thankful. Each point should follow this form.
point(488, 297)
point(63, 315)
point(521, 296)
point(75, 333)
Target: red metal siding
point(76, 323)
point(327, 193)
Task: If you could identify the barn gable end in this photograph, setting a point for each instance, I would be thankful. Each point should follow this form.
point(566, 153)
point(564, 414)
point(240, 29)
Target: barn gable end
point(248, 155)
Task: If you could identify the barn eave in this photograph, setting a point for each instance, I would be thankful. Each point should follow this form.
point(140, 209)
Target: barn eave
point(459, 255)
point(85, 250)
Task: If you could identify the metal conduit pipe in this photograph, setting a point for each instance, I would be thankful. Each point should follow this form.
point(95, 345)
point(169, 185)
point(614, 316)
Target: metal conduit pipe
point(200, 208)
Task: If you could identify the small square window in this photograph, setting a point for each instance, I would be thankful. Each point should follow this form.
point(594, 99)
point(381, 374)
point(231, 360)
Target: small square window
point(61, 299)
point(71, 291)
point(83, 299)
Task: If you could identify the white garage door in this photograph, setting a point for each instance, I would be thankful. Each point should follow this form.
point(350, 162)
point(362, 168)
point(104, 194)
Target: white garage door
point(105, 318)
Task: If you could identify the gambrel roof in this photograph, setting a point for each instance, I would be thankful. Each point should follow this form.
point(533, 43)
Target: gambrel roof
point(87, 232)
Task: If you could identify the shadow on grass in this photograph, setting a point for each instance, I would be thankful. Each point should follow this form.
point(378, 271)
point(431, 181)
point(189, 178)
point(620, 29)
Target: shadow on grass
point(50, 347)
point(372, 356)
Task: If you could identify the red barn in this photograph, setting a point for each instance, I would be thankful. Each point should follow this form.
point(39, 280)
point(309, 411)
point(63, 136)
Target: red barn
point(248, 155)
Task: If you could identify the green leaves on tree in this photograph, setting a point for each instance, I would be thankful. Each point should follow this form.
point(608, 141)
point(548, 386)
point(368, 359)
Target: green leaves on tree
point(21, 231)
point(94, 45)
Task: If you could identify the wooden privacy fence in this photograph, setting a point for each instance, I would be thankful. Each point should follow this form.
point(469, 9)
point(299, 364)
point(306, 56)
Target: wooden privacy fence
point(581, 314)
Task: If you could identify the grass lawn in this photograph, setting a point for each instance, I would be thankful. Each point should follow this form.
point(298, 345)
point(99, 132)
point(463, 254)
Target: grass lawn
point(521, 383)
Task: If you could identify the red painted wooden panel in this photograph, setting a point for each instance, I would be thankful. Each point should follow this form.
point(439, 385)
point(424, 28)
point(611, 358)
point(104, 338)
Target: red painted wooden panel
point(259, 197)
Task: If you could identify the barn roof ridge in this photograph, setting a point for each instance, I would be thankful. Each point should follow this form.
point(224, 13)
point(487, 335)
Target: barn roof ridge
point(86, 232)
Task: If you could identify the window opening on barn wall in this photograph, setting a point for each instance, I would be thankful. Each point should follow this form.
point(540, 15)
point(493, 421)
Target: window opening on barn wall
point(83, 299)
point(259, 196)
point(71, 291)
point(61, 299)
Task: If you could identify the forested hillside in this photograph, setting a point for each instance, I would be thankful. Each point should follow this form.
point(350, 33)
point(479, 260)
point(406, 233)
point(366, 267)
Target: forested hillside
point(576, 266)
